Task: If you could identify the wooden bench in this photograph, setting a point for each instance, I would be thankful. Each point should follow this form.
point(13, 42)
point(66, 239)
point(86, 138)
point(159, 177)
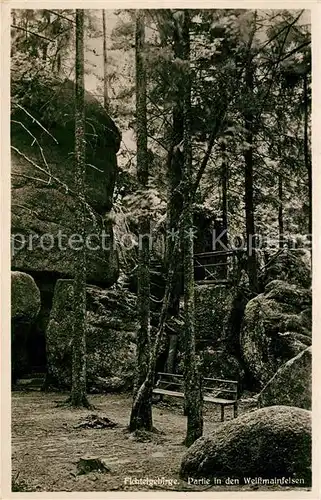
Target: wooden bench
point(215, 390)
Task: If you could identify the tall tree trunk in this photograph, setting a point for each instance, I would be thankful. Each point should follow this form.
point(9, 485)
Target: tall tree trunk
point(175, 162)
point(249, 204)
point(224, 178)
point(142, 419)
point(170, 362)
point(106, 98)
point(280, 217)
point(147, 387)
point(144, 393)
point(193, 397)
point(174, 174)
point(78, 389)
point(307, 157)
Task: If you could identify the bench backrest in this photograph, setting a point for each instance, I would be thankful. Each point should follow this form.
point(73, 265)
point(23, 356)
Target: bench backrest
point(170, 381)
point(214, 387)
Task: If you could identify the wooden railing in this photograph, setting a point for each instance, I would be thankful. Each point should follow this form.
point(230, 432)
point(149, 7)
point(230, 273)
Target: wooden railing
point(215, 267)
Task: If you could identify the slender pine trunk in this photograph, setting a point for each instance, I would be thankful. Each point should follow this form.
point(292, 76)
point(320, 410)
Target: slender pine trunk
point(175, 162)
point(174, 174)
point(172, 351)
point(249, 203)
point(142, 417)
point(224, 177)
point(78, 389)
point(307, 156)
point(106, 97)
point(280, 215)
point(193, 398)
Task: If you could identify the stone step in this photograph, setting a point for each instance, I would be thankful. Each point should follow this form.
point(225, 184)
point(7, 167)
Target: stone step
point(31, 381)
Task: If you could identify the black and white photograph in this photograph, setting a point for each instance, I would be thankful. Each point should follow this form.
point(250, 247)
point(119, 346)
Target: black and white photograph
point(161, 250)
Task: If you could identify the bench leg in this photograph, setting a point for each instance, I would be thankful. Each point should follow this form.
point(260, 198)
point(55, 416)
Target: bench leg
point(235, 410)
point(222, 413)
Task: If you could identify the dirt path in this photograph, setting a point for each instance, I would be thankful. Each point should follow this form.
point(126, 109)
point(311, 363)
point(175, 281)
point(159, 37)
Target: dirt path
point(46, 445)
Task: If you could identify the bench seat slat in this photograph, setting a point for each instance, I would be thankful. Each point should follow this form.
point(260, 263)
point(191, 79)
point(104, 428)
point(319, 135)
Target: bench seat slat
point(219, 400)
point(174, 375)
point(206, 398)
point(168, 393)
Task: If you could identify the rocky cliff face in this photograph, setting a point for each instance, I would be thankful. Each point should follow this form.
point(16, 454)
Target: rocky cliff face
point(43, 191)
point(43, 195)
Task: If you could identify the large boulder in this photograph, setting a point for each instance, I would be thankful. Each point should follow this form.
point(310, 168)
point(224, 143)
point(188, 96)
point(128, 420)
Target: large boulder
point(292, 383)
point(290, 265)
point(267, 443)
point(213, 304)
point(110, 337)
point(44, 196)
point(25, 298)
point(25, 306)
point(276, 327)
point(218, 363)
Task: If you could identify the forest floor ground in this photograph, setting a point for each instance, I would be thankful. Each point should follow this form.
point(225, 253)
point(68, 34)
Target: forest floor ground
point(46, 445)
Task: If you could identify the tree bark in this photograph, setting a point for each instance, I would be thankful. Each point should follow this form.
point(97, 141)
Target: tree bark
point(106, 97)
point(192, 391)
point(144, 393)
point(174, 173)
point(78, 389)
point(249, 204)
point(142, 418)
point(280, 215)
point(170, 362)
point(224, 181)
point(307, 157)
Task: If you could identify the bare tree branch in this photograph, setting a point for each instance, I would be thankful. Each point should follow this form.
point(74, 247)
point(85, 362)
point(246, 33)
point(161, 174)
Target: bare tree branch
point(34, 140)
point(62, 17)
point(288, 26)
point(38, 123)
point(31, 33)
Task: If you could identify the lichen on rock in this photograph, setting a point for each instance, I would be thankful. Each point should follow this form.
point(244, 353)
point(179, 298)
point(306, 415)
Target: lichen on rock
point(276, 327)
point(110, 337)
point(25, 297)
point(291, 385)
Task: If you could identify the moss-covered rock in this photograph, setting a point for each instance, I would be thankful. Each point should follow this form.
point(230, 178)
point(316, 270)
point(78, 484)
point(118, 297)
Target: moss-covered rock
point(276, 327)
point(221, 364)
point(43, 181)
point(213, 304)
point(25, 306)
point(290, 265)
point(25, 297)
point(270, 443)
point(111, 332)
point(292, 383)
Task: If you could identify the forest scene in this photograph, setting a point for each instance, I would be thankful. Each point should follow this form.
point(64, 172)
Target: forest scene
point(161, 250)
